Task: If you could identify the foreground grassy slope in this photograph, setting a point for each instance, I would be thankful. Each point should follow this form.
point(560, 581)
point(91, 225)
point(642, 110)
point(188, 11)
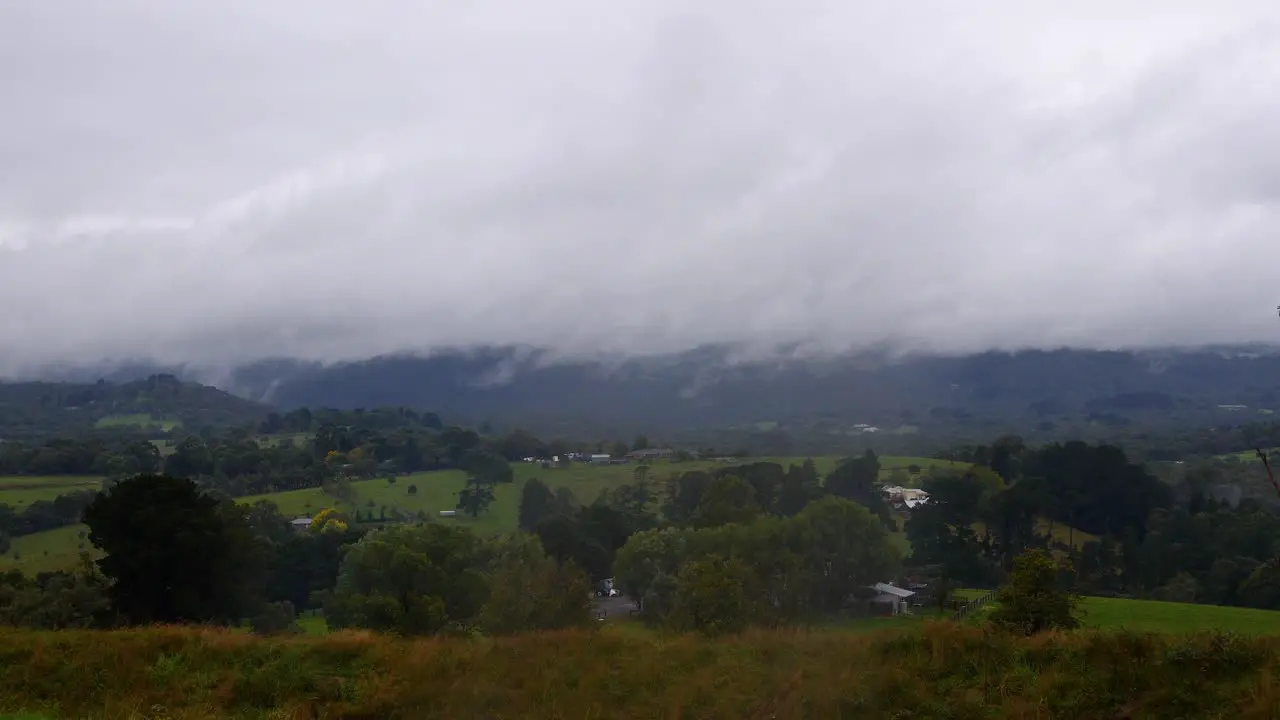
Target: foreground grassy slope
point(940, 671)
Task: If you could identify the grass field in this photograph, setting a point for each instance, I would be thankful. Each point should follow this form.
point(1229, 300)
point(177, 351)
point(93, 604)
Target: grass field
point(19, 491)
point(889, 463)
point(142, 420)
point(1168, 617)
point(47, 551)
point(1162, 617)
point(438, 490)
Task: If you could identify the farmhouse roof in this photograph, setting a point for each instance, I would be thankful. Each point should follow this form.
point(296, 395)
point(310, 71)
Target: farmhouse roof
point(887, 589)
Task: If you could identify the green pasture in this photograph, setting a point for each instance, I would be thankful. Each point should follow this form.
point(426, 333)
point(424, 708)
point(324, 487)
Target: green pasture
point(438, 490)
point(19, 491)
point(47, 551)
point(141, 420)
point(1162, 617)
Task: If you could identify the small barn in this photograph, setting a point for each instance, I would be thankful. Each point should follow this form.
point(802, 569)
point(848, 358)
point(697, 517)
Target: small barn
point(891, 599)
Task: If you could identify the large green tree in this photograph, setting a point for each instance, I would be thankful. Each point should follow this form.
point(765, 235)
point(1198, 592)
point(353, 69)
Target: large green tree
point(537, 503)
point(729, 499)
point(475, 497)
point(1033, 599)
point(410, 579)
point(530, 591)
point(858, 479)
point(800, 566)
point(713, 595)
point(174, 554)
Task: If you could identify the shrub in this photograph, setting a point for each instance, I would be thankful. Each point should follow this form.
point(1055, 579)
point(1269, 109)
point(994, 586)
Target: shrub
point(276, 618)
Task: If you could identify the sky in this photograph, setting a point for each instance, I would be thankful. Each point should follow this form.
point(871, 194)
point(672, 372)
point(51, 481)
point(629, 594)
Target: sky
point(329, 180)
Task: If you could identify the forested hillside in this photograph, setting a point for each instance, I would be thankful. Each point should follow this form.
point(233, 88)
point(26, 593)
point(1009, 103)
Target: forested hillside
point(156, 404)
point(1050, 395)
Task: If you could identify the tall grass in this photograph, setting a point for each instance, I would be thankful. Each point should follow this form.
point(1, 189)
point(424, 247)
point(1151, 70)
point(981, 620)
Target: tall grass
point(943, 671)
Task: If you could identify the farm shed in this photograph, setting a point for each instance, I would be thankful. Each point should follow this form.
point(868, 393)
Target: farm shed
point(891, 597)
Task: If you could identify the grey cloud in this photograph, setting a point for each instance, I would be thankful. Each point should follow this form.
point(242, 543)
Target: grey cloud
point(224, 182)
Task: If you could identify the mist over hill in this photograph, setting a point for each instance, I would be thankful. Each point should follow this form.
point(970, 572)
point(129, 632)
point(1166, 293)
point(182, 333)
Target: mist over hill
point(1051, 393)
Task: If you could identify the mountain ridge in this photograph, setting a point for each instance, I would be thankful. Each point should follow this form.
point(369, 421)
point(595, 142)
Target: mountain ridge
point(712, 387)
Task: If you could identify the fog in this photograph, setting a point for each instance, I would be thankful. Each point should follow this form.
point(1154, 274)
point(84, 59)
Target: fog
point(221, 182)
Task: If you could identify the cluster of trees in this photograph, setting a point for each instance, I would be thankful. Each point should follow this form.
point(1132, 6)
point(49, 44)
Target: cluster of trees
point(792, 546)
point(174, 553)
point(90, 456)
point(767, 570)
point(977, 521)
point(306, 420)
point(1220, 439)
point(340, 447)
point(1164, 445)
point(427, 579)
point(590, 535)
point(1205, 551)
point(708, 549)
point(1146, 538)
point(55, 601)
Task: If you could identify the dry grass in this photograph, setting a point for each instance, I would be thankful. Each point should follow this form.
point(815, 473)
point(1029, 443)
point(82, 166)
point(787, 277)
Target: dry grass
point(943, 671)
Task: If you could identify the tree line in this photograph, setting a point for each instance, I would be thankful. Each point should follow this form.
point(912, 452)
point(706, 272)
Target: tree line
point(174, 553)
point(1140, 536)
point(712, 550)
point(338, 447)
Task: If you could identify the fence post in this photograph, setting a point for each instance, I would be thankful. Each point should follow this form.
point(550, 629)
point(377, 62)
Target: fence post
point(972, 605)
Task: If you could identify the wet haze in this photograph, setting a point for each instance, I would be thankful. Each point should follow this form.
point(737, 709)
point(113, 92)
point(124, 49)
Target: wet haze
point(220, 182)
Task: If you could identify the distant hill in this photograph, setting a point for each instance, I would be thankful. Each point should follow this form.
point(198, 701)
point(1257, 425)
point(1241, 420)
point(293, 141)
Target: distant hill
point(156, 404)
point(1031, 392)
point(1040, 394)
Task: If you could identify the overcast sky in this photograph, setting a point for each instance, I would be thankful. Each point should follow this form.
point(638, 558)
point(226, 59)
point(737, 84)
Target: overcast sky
point(223, 181)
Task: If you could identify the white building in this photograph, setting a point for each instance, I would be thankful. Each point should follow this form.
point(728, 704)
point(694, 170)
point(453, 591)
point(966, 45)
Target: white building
point(892, 596)
point(905, 497)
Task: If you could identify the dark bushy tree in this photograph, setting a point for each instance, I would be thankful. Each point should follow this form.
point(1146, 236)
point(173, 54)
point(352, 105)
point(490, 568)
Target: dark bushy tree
point(173, 553)
point(537, 503)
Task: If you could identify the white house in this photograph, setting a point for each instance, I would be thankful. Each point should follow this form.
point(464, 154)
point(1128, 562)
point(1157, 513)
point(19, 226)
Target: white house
point(910, 497)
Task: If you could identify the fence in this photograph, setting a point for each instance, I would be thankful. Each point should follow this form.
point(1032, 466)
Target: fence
point(973, 605)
